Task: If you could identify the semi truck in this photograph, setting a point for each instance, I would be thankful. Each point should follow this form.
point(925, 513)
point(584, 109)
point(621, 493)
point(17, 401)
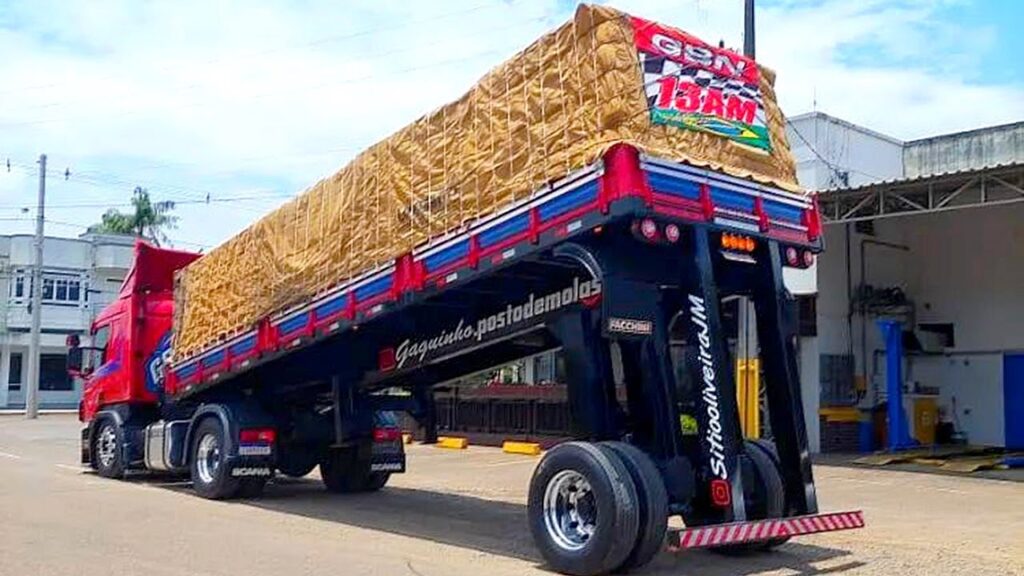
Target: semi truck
point(604, 193)
point(607, 265)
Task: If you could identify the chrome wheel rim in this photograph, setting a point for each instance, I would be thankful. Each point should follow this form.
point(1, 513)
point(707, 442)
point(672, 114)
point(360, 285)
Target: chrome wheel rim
point(570, 513)
point(106, 446)
point(208, 458)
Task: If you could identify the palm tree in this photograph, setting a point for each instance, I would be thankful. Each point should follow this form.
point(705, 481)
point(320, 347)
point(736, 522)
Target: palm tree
point(149, 219)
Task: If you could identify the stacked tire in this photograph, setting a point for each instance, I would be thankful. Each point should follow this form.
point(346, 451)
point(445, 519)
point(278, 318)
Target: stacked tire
point(597, 508)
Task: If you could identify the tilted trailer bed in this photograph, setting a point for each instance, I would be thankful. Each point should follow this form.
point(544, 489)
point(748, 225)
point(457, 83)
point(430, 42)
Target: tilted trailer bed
point(605, 265)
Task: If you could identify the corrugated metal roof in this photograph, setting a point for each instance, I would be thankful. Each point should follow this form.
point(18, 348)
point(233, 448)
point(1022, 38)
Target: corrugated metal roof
point(968, 172)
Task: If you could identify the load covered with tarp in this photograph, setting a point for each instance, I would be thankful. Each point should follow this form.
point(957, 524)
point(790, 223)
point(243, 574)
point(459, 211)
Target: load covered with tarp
point(601, 79)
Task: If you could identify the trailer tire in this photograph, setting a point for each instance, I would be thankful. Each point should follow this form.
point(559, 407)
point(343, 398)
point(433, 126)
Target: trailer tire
point(769, 448)
point(653, 499)
point(108, 449)
point(772, 498)
point(574, 483)
point(211, 478)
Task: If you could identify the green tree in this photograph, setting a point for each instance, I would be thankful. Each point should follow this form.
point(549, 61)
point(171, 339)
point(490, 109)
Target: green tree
point(148, 219)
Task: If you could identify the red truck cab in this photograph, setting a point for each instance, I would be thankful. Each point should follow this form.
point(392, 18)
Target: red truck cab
point(131, 336)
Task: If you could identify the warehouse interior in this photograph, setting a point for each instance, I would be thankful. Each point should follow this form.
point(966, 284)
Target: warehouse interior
point(941, 254)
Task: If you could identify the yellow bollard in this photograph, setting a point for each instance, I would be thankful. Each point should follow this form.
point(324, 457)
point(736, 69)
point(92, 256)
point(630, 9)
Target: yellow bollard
point(748, 395)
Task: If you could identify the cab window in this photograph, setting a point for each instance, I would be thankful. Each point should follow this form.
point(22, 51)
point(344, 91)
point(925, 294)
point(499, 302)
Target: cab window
point(100, 342)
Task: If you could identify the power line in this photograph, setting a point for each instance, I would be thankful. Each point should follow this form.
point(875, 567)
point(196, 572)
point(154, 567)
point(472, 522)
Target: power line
point(321, 85)
point(324, 40)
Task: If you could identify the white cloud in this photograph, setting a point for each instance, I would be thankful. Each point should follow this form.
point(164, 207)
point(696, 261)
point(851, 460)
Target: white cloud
point(193, 97)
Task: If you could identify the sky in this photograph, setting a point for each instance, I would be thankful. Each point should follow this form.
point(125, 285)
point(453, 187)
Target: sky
point(230, 108)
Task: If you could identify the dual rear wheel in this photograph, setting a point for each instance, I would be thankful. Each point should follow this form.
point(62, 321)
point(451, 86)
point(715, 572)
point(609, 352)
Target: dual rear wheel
point(597, 508)
point(600, 508)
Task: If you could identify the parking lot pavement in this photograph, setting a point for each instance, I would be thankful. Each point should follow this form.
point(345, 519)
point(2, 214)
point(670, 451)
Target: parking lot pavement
point(454, 513)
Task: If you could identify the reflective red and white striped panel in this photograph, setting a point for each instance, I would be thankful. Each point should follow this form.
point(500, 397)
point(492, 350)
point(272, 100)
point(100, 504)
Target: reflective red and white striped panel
point(760, 530)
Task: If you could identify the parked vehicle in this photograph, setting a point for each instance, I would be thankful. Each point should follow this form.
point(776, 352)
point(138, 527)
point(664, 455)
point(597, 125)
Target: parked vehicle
point(602, 278)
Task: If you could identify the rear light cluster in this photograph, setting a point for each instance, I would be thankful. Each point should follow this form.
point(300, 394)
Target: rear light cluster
point(721, 493)
point(738, 243)
point(257, 436)
point(799, 258)
point(388, 434)
point(652, 231)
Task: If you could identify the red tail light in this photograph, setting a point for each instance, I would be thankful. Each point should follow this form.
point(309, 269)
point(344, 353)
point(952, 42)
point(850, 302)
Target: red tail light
point(721, 493)
point(792, 256)
point(672, 233)
point(649, 228)
point(257, 436)
point(387, 434)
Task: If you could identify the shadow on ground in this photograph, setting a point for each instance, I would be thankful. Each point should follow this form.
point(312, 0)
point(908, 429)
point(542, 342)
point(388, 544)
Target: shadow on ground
point(499, 528)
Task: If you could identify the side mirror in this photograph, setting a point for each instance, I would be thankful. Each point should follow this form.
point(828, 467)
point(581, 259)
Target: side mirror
point(74, 361)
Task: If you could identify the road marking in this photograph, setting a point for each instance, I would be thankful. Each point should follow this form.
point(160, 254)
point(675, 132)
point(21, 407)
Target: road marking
point(9, 455)
point(67, 467)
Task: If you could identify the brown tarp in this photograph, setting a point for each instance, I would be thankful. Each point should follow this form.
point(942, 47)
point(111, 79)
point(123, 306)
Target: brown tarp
point(553, 108)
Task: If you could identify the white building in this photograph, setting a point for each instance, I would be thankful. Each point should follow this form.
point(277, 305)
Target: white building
point(931, 233)
point(80, 277)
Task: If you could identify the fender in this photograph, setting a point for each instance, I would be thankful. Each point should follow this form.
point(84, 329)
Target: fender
point(112, 412)
point(232, 417)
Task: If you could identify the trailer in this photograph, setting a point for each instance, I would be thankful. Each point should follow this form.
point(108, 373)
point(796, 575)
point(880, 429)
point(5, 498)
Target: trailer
point(604, 265)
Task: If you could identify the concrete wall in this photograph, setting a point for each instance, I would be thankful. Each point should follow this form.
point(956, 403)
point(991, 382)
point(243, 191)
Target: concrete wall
point(965, 150)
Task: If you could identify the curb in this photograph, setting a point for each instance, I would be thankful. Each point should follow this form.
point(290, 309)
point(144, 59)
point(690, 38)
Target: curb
point(452, 442)
point(527, 448)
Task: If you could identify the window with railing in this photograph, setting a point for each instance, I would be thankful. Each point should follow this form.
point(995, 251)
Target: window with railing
point(60, 288)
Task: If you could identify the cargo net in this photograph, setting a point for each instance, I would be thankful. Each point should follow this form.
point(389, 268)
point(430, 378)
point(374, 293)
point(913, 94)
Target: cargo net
point(553, 108)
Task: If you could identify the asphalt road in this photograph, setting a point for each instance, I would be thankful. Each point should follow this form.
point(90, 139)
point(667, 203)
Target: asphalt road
point(455, 513)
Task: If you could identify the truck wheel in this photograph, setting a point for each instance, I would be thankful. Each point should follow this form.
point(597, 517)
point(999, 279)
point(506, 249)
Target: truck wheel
point(583, 510)
point(210, 476)
point(770, 450)
point(764, 495)
point(108, 450)
point(343, 473)
point(653, 499)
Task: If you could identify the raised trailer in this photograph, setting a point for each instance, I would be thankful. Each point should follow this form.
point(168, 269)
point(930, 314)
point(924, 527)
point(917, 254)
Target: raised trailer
point(602, 265)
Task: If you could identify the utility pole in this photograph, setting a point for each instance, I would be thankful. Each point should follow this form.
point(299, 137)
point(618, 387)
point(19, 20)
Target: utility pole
point(748, 29)
point(32, 394)
point(748, 363)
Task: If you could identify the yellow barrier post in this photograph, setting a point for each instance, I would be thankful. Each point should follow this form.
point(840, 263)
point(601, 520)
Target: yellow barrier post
point(748, 395)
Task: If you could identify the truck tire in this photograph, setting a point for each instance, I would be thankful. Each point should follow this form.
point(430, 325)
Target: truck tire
point(108, 449)
point(653, 499)
point(343, 473)
point(765, 496)
point(769, 448)
point(583, 510)
point(211, 478)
